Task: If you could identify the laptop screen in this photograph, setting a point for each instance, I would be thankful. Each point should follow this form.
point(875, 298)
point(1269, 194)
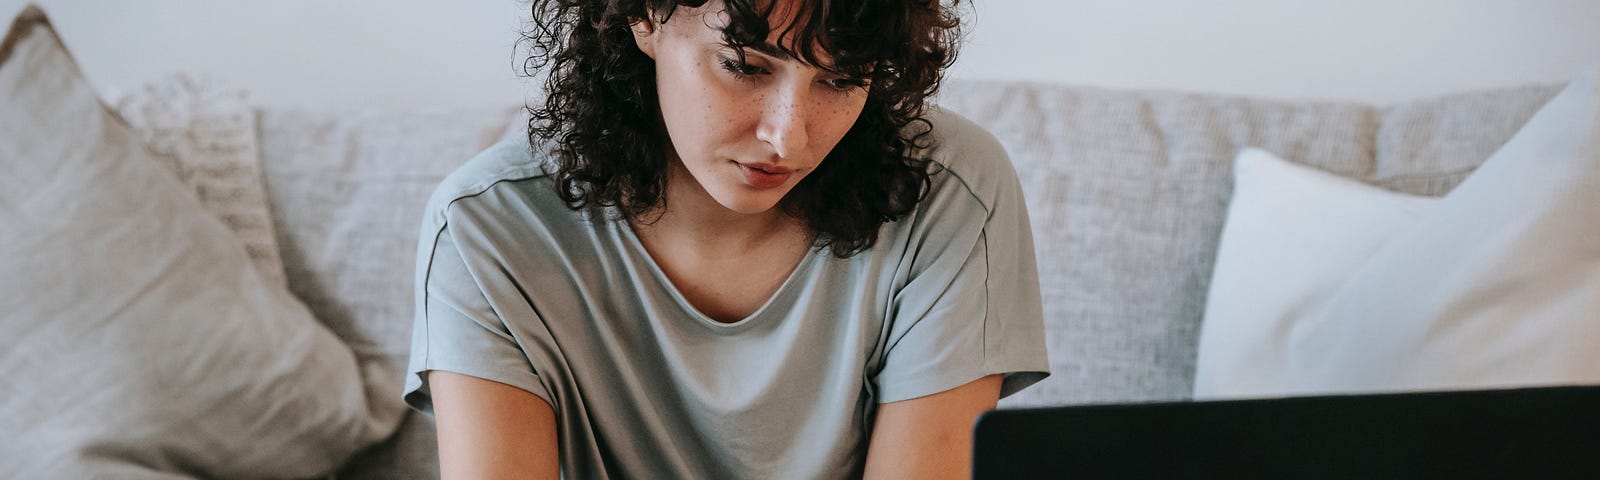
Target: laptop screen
point(1521, 433)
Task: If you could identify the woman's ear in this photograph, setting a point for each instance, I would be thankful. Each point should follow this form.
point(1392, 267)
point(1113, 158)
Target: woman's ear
point(644, 34)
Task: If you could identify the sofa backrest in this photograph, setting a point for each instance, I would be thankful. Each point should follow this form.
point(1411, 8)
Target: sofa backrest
point(1127, 191)
point(347, 192)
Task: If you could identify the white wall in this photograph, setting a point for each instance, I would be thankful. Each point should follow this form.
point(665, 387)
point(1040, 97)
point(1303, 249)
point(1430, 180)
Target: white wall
point(342, 53)
point(1371, 50)
point(439, 54)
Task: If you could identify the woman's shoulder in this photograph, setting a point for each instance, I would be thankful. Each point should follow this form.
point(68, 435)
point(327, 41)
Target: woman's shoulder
point(508, 160)
point(969, 158)
point(509, 164)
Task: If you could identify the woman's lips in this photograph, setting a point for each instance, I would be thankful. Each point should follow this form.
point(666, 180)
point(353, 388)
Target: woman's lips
point(765, 176)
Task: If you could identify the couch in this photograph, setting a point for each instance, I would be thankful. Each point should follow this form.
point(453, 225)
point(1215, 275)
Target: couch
point(1127, 191)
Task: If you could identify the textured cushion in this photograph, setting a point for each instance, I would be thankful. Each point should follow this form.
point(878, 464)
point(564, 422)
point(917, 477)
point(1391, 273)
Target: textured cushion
point(140, 340)
point(1498, 286)
point(1293, 235)
point(206, 133)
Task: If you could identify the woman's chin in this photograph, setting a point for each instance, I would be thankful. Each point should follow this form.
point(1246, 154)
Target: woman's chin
point(749, 204)
point(749, 207)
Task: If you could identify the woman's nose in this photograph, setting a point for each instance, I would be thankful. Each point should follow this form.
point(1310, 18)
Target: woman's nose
point(783, 122)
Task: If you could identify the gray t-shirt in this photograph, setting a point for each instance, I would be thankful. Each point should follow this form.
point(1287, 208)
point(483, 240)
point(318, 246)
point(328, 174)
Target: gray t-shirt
point(516, 288)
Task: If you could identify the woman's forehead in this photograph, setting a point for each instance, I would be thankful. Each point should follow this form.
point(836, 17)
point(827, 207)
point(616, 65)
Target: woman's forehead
point(787, 22)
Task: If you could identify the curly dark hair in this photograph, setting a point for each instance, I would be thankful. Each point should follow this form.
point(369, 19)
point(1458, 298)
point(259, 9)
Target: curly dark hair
point(601, 120)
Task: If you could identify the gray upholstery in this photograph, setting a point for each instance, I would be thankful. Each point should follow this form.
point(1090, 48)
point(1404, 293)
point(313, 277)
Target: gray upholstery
point(1127, 191)
point(347, 192)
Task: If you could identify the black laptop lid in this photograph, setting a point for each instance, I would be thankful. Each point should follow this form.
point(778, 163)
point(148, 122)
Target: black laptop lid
point(1524, 433)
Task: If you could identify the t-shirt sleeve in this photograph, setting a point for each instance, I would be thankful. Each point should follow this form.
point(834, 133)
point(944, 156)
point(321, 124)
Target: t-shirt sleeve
point(972, 307)
point(457, 330)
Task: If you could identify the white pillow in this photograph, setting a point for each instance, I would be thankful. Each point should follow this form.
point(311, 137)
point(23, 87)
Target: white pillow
point(1496, 285)
point(1293, 235)
point(139, 340)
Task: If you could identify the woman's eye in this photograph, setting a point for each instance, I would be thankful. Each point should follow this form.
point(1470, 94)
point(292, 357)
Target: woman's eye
point(847, 83)
point(741, 68)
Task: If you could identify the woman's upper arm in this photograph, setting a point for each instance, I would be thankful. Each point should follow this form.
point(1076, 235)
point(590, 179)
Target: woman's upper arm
point(490, 430)
point(929, 437)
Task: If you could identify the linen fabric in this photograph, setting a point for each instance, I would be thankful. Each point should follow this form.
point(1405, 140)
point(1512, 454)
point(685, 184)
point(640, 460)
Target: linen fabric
point(141, 342)
point(1293, 235)
point(516, 288)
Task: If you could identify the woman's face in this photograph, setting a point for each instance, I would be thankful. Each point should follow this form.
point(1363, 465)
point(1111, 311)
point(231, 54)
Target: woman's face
point(746, 133)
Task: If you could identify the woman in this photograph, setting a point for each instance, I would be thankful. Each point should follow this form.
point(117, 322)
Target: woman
point(735, 245)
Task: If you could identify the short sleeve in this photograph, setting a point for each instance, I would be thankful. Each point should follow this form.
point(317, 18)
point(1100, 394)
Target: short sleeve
point(972, 306)
point(457, 330)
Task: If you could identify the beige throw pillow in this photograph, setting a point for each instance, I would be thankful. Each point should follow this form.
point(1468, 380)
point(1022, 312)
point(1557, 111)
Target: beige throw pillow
point(140, 340)
point(206, 134)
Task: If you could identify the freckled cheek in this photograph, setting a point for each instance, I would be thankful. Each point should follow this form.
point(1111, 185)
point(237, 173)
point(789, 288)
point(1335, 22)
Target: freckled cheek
point(725, 111)
point(718, 114)
point(711, 119)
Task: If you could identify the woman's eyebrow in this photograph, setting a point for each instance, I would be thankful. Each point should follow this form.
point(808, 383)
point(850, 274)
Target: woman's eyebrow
point(771, 50)
point(768, 49)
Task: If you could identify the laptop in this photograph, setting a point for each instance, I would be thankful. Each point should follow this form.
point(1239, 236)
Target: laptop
point(1551, 432)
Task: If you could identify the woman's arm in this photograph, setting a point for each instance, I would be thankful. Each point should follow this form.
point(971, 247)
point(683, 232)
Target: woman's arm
point(929, 437)
point(490, 430)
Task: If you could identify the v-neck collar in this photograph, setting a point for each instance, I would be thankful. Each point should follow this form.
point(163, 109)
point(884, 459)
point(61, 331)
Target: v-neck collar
point(636, 247)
